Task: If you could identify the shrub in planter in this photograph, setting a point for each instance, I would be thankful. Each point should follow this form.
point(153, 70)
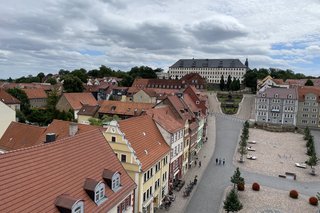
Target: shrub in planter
point(240, 186)
point(313, 201)
point(255, 187)
point(294, 194)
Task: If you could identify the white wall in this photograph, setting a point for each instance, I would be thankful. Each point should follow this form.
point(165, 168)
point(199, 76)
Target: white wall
point(7, 115)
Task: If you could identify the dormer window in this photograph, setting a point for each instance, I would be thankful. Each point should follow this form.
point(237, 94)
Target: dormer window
point(112, 179)
point(66, 203)
point(289, 96)
point(276, 95)
point(96, 190)
point(99, 193)
point(263, 95)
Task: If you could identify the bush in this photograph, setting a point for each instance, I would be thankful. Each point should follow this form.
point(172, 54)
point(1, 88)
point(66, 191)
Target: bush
point(255, 187)
point(313, 201)
point(294, 194)
point(240, 186)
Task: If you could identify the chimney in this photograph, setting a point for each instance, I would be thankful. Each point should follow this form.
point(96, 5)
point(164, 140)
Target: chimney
point(50, 137)
point(73, 129)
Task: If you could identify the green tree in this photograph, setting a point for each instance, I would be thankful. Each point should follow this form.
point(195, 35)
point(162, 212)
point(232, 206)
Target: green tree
point(52, 100)
point(81, 74)
point(312, 161)
point(41, 75)
point(143, 72)
point(229, 81)
point(232, 202)
point(236, 178)
point(51, 81)
point(222, 84)
point(95, 121)
point(22, 97)
point(127, 81)
point(72, 84)
point(309, 83)
point(311, 150)
point(307, 133)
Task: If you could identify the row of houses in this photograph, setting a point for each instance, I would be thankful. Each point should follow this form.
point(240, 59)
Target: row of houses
point(123, 166)
point(292, 105)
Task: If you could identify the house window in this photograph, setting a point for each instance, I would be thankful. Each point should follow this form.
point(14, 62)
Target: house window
point(116, 181)
point(78, 207)
point(123, 158)
point(99, 193)
point(113, 139)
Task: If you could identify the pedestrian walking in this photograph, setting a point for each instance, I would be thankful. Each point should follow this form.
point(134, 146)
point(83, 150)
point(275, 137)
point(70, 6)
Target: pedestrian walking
point(219, 161)
point(224, 161)
point(195, 163)
point(199, 163)
point(216, 161)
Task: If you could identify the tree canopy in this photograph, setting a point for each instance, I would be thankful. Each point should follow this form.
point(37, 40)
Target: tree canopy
point(232, 202)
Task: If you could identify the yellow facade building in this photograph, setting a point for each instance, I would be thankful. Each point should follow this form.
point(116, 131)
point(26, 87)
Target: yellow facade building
point(144, 154)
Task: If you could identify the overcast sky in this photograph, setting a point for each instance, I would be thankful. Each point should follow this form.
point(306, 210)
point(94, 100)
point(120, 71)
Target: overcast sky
point(49, 35)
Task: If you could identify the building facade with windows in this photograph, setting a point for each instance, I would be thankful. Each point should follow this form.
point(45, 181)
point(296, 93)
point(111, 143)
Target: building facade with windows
point(277, 106)
point(145, 155)
point(210, 69)
point(308, 109)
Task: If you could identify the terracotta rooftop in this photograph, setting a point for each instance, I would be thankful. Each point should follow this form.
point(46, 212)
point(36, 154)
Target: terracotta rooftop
point(147, 142)
point(123, 108)
point(88, 110)
point(45, 86)
point(61, 129)
point(190, 103)
point(77, 100)
point(19, 135)
point(36, 93)
point(181, 107)
point(303, 91)
point(96, 88)
point(7, 98)
point(33, 178)
point(301, 82)
point(166, 119)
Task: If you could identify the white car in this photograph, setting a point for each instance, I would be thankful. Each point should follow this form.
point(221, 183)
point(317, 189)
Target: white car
point(252, 142)
point(250, 148)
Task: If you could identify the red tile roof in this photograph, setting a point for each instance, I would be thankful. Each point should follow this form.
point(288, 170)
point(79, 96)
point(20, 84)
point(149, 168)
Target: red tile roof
point(181, 107)
point(19, 135)
point(61, 129)
point(32, 178)
point(7, 98)
point(147, 142)
point(166, 119)
point(36, 93)
point(89, 110)
point(123, 108)
point(303, 91)
point(77, 100)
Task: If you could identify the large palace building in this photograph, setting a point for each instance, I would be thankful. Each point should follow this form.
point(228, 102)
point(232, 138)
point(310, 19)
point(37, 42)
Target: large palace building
point(210, 69)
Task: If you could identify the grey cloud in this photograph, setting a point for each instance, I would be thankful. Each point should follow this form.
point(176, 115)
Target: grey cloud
point(216, 30)
point(148, 36)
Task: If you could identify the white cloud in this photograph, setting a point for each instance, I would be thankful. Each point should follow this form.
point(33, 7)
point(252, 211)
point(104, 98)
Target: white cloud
point(49, 35)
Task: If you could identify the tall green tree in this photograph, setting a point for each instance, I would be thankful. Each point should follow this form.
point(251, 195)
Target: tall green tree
point(232, 202)
point(236, 178)
point(72, 84)
point(22, 97)
point(229, 81)
point(222, 84)
point(309, 83)
point(312, 161)
point(41, 75)
point(81, 74)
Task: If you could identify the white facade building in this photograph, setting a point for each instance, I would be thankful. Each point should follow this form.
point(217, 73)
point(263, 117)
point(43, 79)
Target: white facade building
point(210, 69)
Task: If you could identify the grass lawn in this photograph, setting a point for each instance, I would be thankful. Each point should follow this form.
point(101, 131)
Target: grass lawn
point(225, 100)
